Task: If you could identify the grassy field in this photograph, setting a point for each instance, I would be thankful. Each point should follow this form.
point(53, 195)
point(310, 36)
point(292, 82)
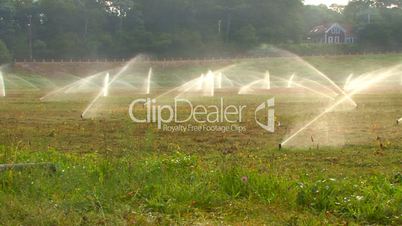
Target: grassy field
point(345, 169)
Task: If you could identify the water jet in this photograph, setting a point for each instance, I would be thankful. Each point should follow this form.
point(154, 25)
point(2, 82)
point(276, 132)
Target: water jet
point(2, 85)
point(149, 81)
point(106, 85)
point(267, 80)
point(219, 80)
point(209, 84)
point(346, 86)
point(290, 82)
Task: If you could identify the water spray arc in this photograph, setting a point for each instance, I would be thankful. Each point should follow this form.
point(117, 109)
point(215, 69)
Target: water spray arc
point(70, 87)
point(290, 82)
point(219, 80)
point(149, 78)
point(198, 84)
point(313, 86)
point(339, 89)
point(370, 80)
point(101, 93)
point(264, 83)
point(312, 90)
point(347, 82)
point(246, 89)
point(267, 80)
point(106, 85)
point(26, 82)
point(2, 85)
point(400, 79)
point(204, 84)
point(329, 91)
point(328, 80)
point(82, 84)
point(209, 84)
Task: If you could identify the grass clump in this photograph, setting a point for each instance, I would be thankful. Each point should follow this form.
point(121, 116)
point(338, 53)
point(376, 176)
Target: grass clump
point(373, 199)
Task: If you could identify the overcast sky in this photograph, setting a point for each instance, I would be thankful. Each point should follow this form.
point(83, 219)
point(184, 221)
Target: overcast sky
point(326, 2)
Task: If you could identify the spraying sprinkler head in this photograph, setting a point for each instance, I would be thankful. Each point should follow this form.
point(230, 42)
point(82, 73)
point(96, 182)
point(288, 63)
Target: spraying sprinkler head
point(397, 121)
point(280, 146)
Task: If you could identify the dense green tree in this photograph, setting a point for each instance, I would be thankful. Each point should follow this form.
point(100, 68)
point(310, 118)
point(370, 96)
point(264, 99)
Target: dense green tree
point(318, 15)
point(124, 28)
point(377, 22)
point(5, 56)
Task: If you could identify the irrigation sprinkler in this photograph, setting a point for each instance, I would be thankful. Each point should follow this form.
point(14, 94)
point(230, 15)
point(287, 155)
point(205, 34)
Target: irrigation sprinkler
point(23, 166)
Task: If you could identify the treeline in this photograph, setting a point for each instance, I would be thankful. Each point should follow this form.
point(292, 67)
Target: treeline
point(181, 28)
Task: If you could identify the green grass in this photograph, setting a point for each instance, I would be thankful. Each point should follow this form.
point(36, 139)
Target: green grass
point(165, 189)
point(111, 171)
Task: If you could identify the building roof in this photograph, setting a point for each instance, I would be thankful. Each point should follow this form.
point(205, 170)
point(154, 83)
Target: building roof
point(321, 29)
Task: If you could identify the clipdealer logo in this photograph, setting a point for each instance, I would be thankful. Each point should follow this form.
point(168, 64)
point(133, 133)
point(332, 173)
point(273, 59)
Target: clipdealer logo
point(269, 104)
point(206, 117)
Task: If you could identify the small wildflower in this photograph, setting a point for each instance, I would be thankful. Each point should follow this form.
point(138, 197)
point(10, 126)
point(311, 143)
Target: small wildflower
point(244, 179)
point(359, 198)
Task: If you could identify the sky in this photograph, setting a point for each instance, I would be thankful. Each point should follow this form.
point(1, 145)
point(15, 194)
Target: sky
point(326, 2)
